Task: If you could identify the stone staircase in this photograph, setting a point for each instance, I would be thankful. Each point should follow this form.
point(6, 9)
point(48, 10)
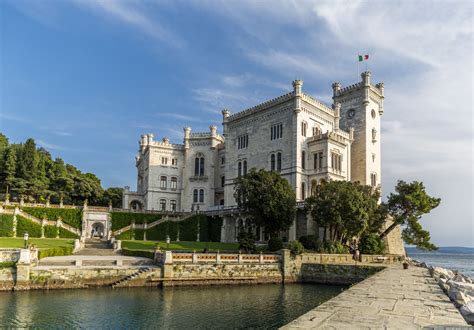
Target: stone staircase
point(96, 247)
point(124, 282)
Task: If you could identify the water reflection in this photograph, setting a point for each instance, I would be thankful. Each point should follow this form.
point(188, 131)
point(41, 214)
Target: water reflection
point(256, 306)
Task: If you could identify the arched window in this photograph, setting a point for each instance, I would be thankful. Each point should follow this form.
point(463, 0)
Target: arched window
point(163, 182)
point(195, 196)
point(316, 131)
point(304, 127)
point(245, 167)
point(373, 179)
point(173, 205)
point(303, 190)
point(199, 166)
point(174, 183)
point(239, 170)
point(201, 196)
point(279, 162)
point(374, 135)
point(303, 160)
point(163, 204)
point(272, 162)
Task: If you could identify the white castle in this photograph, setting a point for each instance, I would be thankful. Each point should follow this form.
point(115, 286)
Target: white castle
point(294, 134)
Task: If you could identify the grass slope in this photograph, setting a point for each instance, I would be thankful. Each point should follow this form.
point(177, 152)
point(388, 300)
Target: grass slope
point(9, 242)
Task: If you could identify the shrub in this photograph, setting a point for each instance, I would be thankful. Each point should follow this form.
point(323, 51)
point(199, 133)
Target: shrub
point(247, 242)
point(55, 252)
point(63, 233)
point(6, 225)
point(126, 235)
point(310, 242)
point(139, 234)
point(296, 248)
point(72, 217)
point(139, 253)
point(371, 244)
point(23, 224)
point(7, 264)
point(275, 244)
point(50, 231)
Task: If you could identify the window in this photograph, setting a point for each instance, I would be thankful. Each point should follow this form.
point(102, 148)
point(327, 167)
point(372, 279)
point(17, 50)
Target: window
point(318, 160)
point(245, 167)
point(164, 161)
point(174, 161)
point(173, 205)
point(279, 162)
point(276, 131)
point(163, 182)
point(336, 161)
point(163, 204)
point(222, 160)
point(199, 166)
point(174, 183)
point(243, 141)
point(303, 190)
point(373, 179)
point(303, 160)
point(201, 195)
point(373, 113)
point(304, 127)
point(272, 162)
point(195, 196)
point(317, 131)
point(374, 135)
point(239, 171)
point(222, 181)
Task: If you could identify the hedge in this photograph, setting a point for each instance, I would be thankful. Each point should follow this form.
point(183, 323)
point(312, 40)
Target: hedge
point(55, 252)
point(6, 225)
point(139, 253)
point(63, 233)
point(123, 219)
point(7, 264)
point(23, 224)
point(50, 231)
point(209, 230)
point(72, 217)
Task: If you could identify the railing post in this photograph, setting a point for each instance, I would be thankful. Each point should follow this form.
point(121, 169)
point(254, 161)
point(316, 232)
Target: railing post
point(218, 257)
point(260, 259)
point(240, 257)
point(195, 257)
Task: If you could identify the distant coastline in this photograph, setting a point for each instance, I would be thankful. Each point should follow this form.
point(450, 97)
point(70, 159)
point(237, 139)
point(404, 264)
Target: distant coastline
point(451, 257)
point(443, 249)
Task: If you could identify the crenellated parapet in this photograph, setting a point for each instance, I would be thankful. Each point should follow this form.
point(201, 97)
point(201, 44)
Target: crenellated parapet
point(261, 106)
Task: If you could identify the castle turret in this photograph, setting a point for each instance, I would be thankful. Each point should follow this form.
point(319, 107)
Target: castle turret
point(297, 90)
point(361, 105)
point(187, 135)
point(225, 118)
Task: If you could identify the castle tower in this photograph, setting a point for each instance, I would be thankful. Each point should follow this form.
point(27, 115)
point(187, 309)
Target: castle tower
point(361, 106)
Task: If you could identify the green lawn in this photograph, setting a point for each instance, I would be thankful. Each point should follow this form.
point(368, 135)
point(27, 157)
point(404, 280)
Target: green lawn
point(9, 242)
point(189, 246)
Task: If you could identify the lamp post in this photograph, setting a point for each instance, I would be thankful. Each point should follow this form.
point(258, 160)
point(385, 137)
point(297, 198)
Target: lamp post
point(167, 242)
point(25, 237)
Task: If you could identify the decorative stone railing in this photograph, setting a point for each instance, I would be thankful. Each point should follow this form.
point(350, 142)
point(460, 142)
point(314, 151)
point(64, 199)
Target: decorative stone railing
point(169, 257)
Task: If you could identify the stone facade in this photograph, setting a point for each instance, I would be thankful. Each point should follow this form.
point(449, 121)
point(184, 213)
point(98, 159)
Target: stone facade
point(304, 140)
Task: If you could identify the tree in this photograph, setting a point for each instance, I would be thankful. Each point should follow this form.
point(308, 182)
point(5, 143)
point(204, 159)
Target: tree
point(9, 170)
point(267, 199)
point(114, 195)
point(345, 209)
point(406, 207)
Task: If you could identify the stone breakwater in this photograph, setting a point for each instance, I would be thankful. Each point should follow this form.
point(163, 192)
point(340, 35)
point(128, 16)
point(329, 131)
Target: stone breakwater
point(458, 287)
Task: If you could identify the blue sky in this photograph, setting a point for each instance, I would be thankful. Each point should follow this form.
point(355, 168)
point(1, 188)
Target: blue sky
point(86, 78)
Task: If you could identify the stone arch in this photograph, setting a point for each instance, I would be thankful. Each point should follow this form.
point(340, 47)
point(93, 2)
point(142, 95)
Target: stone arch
point(98, 230)
point(136, 205)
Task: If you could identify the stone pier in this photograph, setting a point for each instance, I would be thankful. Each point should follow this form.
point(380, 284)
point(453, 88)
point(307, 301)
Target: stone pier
point(392, 298)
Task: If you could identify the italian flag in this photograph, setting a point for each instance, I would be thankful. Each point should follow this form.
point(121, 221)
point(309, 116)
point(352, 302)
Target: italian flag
point(363, 58)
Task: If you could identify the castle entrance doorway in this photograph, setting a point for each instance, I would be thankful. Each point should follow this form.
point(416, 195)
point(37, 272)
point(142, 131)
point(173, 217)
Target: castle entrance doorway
point(98, 230)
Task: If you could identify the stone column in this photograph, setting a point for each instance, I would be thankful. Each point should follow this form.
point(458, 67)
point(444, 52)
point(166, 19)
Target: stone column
point(22, 281)
point(145, 226)
point(58, 225)
point(15, 212)
point(292, 231)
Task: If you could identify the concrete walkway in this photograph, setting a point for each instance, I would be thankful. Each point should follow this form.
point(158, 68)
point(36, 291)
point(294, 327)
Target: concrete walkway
point(393, 298)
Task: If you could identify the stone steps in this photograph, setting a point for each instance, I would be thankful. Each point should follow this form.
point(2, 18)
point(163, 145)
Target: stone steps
point(123, 282)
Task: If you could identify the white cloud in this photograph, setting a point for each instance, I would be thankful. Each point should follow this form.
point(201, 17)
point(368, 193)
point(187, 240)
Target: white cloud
point(49, 146)
point(135, 15)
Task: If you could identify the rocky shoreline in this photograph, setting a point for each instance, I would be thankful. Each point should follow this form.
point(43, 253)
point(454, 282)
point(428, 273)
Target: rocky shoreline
point(458, 287)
